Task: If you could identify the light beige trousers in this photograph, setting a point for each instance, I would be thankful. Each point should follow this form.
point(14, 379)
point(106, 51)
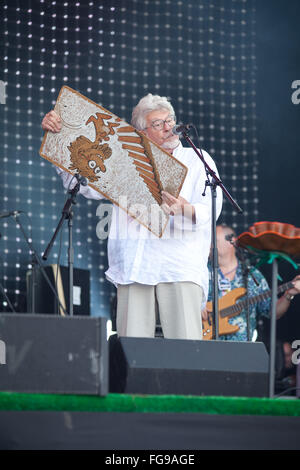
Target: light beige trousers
point(179, 305)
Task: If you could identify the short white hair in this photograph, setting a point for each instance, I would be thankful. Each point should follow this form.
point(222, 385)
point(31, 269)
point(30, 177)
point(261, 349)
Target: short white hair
point(147, 104)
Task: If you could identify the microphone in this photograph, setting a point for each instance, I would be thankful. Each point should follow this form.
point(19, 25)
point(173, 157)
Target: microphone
point(180, 128)
point(81, 179)
point(9, 214)
point(229, 237)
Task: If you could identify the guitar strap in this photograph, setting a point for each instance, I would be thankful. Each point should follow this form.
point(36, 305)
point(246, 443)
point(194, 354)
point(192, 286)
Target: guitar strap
point(224, 283)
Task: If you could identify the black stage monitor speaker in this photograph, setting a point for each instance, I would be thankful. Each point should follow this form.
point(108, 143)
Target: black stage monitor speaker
point(44, 299)
point(53, 354)
point(188, 367)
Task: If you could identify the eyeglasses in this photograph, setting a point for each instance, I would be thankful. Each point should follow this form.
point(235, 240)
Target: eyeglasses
point(159, 124)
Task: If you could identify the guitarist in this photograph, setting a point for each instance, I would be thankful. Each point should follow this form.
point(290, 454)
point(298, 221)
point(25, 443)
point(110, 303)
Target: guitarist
point(231, 276)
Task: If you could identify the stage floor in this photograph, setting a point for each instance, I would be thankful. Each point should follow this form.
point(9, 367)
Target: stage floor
point(147, 422)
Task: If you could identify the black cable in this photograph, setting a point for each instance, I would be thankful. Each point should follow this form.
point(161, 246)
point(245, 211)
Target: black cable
point(290, 389)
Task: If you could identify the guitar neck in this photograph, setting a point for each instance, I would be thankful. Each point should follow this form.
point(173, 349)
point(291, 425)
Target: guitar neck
point(237, 308)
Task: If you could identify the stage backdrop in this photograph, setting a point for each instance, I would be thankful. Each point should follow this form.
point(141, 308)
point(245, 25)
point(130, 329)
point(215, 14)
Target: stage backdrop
point(278, 118)
point(199, 53)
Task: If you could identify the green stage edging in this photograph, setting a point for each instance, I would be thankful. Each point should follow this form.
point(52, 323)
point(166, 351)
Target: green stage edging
point(123, 403)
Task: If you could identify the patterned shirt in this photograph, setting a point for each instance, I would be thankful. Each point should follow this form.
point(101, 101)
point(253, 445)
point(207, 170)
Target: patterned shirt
point(260, 309)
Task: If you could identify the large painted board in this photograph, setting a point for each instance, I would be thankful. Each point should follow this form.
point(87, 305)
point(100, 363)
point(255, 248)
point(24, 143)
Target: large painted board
point(119, 161)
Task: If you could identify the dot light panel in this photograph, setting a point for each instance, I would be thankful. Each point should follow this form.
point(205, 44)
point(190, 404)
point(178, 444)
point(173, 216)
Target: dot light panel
point(199, 53)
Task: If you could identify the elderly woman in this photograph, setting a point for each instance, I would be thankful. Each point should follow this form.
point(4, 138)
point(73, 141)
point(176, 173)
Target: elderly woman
point(168, 272)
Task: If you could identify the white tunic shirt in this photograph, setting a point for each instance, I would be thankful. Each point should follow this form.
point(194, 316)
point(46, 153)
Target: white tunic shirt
point(181, 254)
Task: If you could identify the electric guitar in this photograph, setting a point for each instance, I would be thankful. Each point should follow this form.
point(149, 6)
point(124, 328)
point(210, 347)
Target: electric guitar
point(228, 308)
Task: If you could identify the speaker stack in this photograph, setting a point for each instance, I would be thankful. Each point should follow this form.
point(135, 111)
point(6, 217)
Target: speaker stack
point(41, 297)
point(43, 353)
point(188, 367)
point(53, 354)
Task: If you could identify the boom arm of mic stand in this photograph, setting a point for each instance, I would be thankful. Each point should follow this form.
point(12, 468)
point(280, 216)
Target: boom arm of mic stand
point(67, 214)
point(213, 184)
point(216, 180)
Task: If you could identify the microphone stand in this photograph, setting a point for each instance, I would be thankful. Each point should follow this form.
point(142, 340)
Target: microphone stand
point(5, 295)
point(7, 298)
point(272, 360)
point(213, 183)
point(67, 214)
point(246, 271)
point(35, 260)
